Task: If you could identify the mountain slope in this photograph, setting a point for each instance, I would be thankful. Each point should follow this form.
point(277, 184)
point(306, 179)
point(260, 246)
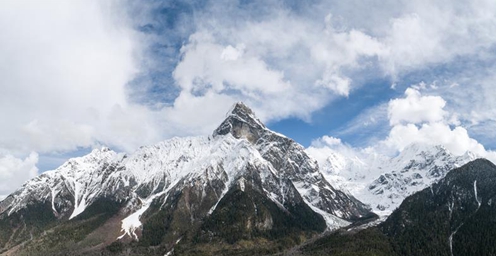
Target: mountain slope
point(183, 190)
point(455, 216)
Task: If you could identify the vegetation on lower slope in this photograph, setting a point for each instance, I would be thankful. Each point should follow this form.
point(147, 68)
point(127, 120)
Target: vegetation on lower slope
point(243, 222)
point(70, 236)
point(368, 242)
point(244, 215)
point(461, 206)
point(25, 224)
point(477, 236)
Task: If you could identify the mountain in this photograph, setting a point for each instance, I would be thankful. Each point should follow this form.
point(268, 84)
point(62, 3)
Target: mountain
point(454, 216)
point(243, 189)
point(384, 182)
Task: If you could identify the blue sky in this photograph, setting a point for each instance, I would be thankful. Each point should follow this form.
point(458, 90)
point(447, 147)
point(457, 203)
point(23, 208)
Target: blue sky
point(77, 75)
point(336, 118)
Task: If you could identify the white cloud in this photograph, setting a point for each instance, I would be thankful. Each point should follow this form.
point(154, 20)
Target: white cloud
point(413, 119)
point(454, 139)
point(422, 119)
point(63, 74)
point(323, 147)
point(326, 141)
point(415, 108)
point(335, 82)
point(207, 65)
point(282, 66)
point(14, 172)
point(65, 67)
point(419, 34)
point(317, 55)
point(472, 98)
point(231, 53)
point(193, 115)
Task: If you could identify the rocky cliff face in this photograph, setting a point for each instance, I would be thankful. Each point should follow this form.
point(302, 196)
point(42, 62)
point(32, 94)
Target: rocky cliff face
point(241, 183)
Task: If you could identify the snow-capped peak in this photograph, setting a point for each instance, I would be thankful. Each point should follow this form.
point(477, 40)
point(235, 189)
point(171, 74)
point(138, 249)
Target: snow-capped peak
point(383, 182)
point(241, 122)
point(70, 188)
point(241, 150)
point(241, 110)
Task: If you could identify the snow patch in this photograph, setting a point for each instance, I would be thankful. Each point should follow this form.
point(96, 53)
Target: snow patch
point(79, 204)
point(54, 194)
point(132, 222)
point(332, 221)
point(476, 197)
point(241, 183)
point(169, 253)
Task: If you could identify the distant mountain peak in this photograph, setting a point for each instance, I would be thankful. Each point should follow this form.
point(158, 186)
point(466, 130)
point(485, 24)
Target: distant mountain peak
point(384, 181)
point(460, 213)
point(241, 122)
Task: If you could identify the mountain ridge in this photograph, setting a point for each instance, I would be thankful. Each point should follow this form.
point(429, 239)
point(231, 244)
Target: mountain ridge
point(454, 216)
point(384, 182)
point(180, 189)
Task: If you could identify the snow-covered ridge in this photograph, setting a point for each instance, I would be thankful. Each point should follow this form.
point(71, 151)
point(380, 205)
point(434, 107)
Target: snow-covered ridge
point(78, 178)
point(160, 165)
point(383, 182)
point(240, 144)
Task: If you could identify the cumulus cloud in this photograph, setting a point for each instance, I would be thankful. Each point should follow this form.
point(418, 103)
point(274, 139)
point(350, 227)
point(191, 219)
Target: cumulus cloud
point(80, 55)
point(63, 70)
point(326, 141)
point(415, 108)
point(63, 75)
point(456, 139)
point(317, 53)
point(420, 34)
point(422, 119)
point(414, 119)
point(286, 61)
point(207, 65)
point(15, 171)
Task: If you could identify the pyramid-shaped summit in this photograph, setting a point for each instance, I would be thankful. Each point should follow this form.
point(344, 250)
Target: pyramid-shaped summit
point(241, 122)
point(243, 183)
point(239, 108)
